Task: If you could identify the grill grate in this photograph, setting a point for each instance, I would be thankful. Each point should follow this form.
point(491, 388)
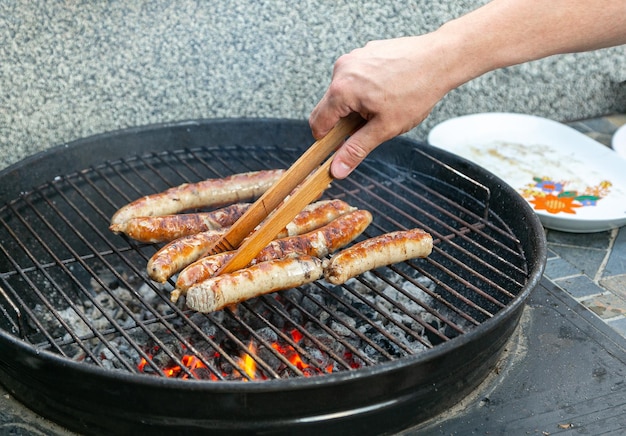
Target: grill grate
point(71, 287)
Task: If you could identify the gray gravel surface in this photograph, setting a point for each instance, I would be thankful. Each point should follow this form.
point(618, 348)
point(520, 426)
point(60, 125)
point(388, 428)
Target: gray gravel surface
point(70, 69)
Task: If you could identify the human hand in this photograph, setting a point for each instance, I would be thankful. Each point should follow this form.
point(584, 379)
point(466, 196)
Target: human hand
point(393, 84)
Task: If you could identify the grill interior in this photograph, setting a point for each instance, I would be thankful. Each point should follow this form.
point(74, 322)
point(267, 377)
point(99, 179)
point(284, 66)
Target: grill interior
point(71, 287)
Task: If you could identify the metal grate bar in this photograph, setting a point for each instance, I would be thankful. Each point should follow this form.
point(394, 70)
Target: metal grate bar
point(224, 166)
point(415, 300)
point(18, 315)
point(78, 284)
point(474, 270)
point(461, 265)
point(218, 349)
point(338, 319)
point(445, 303)
point(465, 224)
point(25, 310)
point(320, 325)
point(53, 282)
point(385, 313)
point(428, 326)
point(153, 312)
point(274, 307)
point(267, 369)
point(353, 196)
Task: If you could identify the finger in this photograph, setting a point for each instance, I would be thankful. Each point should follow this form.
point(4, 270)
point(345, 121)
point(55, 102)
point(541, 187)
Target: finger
point(355, 150)
point(337, 102)
point(320, 122)
point(325, 115)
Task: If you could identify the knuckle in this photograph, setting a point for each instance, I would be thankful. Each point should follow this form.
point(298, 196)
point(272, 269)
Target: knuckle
point(356, 150)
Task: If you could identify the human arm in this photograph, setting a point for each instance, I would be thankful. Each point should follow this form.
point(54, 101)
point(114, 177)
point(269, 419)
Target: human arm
point(395, 83)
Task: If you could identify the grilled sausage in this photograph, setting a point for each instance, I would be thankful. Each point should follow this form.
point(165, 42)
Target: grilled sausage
point(199, 271)
point(263, 278)
point(314, 216)
point(153, 229)
point(177, 254)
point(379, 251)
point(208, 193)
point(319, 243)
point(322, 241)
point(182, 252)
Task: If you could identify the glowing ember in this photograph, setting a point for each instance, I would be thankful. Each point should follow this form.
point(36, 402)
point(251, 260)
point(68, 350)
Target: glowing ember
point(142, 364)
point(246, 365)
point(190, 362)
point(292, 355)
point(296, 335)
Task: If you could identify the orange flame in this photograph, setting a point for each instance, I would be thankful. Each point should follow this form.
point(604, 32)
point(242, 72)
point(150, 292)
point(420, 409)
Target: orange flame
point(247, 362)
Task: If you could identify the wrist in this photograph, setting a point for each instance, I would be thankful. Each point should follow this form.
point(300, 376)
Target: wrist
point(467, 54)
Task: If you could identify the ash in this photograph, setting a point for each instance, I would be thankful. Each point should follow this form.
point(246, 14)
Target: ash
point(308, 331)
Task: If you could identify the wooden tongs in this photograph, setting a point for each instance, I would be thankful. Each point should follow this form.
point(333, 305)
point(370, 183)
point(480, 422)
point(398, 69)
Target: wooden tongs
point(266, 210)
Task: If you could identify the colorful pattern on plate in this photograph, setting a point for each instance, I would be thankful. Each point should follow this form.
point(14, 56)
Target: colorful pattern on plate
point(549, 195)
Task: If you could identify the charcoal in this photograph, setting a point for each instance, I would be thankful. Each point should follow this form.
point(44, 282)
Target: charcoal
point(367, 320)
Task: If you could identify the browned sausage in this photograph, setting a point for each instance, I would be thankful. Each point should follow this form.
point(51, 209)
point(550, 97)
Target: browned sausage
point(265, 277)
point(199, 271)
point(379, 251)
point(314, 216)
point(322, 241)
point(182, 252)
point(175, 256)
point(319, 243)
point(208, 193)
point(153, 229)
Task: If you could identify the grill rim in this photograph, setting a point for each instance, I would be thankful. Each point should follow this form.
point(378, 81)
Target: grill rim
point(509, 314)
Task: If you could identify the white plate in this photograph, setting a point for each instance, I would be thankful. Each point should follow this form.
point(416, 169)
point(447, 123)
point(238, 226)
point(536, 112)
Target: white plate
point(573, 183)
point(618, 142)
